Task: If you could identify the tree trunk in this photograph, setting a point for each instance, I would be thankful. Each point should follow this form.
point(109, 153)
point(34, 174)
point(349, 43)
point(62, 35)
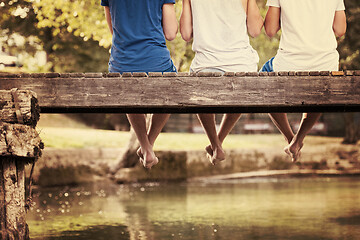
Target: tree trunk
point(352, 129)
point(129, 158)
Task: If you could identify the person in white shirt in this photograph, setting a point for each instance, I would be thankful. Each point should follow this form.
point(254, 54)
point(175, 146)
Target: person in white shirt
point(308, 43)
point(220, 29)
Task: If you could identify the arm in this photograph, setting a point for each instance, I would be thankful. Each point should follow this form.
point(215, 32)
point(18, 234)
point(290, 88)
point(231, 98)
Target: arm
point(108, 19)
point(339, 25)
point(186, 27)
point(272, 21)
point(254, 20)
point(169, 22)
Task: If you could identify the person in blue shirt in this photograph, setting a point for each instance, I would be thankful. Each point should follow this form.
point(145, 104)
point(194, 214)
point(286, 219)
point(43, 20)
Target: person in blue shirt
point(139, 30)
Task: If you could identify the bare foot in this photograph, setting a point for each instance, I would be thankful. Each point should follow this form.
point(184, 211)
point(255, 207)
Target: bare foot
point(215, 156)
point(293, 150)
point(139, 153)
point(147, 160)
point(209, 150)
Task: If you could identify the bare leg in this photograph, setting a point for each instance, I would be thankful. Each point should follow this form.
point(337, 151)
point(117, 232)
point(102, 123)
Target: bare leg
point(227, 124)
point(307, 122)
point(282, 123)
point(157, 123)
point(208, 123)
point(138, 122)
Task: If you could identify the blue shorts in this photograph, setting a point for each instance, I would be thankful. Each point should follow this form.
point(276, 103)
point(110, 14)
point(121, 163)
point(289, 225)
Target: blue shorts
point(268, 66)
point(172, 68)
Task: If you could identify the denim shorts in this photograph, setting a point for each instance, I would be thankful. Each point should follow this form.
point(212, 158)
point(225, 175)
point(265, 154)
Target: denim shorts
point(268, 66)
point(172, 68)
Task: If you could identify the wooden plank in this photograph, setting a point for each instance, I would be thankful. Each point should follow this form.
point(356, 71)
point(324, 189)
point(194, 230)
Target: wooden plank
point(229, 74)
point(191, 94)
point(169, 74)
point(262, 74)
point(337, 73)
point(324, 73)
point(139, 74)
point(114, 75)
point(283, 73)
point(93, 75)
point(252, 74)
point(155, 74)
point(305, 73)
point(240, 74)
point(314, 73)
point(28, 107)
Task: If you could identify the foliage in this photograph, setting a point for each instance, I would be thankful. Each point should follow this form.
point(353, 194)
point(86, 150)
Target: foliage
point(75, 36)
point(349, 47)
point(68, 47)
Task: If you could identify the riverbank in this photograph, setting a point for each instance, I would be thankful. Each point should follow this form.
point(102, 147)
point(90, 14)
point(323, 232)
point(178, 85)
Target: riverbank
point(75, 153)
point(320, 156)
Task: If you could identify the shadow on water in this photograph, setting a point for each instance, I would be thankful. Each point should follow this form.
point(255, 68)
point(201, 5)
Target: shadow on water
point(95, 232)
point(200, 233)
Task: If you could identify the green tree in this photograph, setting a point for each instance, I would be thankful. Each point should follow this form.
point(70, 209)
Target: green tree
point(349, 49)
point(62, 30)
point(349, 46)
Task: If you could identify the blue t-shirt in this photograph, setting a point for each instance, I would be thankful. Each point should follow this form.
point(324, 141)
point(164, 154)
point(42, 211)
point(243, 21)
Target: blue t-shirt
point(138, 43)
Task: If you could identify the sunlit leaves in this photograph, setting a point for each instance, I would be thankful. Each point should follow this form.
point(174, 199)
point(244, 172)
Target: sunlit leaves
point(350, 45)
point(84, 19)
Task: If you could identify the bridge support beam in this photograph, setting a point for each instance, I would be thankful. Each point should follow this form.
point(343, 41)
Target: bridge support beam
point(20, 144)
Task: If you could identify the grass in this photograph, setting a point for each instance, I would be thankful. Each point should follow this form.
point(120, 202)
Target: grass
point(87, 137)
point(80, 138)
point(59, 131)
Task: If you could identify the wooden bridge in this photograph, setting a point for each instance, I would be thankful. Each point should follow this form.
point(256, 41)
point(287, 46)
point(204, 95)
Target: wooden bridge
point(191, 93)
point(23, 95)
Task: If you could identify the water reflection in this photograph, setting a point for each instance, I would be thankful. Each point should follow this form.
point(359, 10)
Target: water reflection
point(268, 208)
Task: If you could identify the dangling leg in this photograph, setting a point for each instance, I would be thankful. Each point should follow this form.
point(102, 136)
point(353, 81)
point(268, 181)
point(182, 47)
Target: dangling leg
point(281, 122)
point(157, 123)
point(227, 124)
point(208, 123)
point(307, 122)
point(138, 122)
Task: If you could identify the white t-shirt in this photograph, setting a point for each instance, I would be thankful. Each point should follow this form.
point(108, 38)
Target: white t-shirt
point(308, 42)
point(220, 38)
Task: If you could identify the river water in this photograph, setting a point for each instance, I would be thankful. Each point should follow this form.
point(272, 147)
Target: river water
point(260, 208)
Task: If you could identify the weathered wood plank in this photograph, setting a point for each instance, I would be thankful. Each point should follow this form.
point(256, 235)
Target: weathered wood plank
point(19, 141)
point(28, 107)
point(184, 93)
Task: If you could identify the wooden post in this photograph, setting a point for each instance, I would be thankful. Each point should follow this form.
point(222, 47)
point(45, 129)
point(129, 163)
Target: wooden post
point(20, 144)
